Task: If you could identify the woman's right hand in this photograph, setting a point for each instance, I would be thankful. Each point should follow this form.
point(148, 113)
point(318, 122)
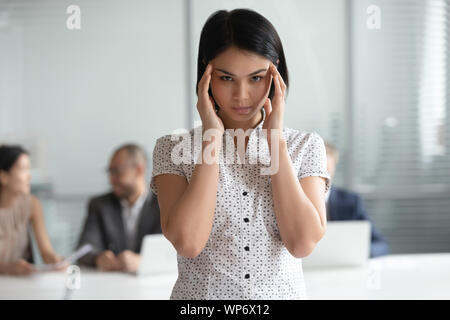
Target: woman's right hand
point(205, 103)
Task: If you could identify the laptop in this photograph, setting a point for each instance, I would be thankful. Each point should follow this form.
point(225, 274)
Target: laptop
point(158, 256)
point(345, 244)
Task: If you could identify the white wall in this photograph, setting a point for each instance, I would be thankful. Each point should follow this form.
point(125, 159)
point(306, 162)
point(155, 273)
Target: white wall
point(120, 78)
point(11, 79)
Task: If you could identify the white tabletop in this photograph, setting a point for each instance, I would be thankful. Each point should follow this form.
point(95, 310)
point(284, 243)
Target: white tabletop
point(409, 276)
point(414, 276)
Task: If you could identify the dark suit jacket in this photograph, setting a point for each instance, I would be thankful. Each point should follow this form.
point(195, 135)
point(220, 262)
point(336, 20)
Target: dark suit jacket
point(104, 228)
point(347, 205)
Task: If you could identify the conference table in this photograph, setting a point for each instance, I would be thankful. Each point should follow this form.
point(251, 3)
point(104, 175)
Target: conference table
point(397, 276)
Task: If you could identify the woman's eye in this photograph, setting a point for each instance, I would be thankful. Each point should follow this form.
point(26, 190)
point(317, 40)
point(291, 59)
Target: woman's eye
point(256, 78)
point(226, 78)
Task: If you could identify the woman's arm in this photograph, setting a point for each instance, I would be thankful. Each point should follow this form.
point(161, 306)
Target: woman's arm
point(299, 206)
point(42, 238)
point(18, 268)
point(187, 209)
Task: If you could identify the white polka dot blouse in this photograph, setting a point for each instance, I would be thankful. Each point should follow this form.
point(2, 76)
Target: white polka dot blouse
point(244, 257)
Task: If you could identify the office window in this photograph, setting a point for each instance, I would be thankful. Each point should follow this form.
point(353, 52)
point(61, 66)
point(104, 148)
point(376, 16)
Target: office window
point(401, 117)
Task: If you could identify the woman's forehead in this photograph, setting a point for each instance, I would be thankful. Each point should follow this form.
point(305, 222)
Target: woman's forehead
point(240, 61)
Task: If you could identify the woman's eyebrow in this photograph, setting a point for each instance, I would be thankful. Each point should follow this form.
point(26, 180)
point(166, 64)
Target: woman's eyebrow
point(226, 72)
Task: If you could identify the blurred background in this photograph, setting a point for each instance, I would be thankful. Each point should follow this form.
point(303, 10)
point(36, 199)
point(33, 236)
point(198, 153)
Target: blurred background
point(380, 95)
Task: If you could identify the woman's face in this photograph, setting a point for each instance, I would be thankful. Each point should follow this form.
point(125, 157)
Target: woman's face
point(17, 179)
point(240, 79)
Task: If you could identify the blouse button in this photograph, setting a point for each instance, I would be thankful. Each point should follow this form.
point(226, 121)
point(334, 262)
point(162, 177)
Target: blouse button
point(247, 276)
point(246, 220)
point(246, 248)
point(245, 193)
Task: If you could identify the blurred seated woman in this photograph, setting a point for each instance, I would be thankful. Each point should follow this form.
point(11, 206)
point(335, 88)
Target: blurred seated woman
point(17, 209)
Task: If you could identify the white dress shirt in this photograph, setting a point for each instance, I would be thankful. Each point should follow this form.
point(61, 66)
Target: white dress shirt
point(130, 217)
point(244, 257)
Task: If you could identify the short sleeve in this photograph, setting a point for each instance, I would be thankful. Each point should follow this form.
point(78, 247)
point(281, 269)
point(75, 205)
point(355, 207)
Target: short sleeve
point(163, 162)
point(314, 159)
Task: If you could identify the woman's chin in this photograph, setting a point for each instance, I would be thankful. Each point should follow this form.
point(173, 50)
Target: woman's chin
point(241, 114)
point(242, 111)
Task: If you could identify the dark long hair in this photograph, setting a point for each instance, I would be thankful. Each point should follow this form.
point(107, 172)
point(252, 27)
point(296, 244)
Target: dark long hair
point(8, 156)
point(245, 29)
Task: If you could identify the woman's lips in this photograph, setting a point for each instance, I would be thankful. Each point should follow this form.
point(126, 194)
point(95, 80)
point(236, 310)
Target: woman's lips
point(242, 110)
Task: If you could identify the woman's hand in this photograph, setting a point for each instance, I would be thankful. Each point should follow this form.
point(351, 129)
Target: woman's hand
point(205, 104)
point(275, 108)
point(53, 258)
point(19, 268)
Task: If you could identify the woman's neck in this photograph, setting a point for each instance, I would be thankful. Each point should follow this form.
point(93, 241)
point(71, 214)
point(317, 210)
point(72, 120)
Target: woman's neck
point(7, 197)
point(234, 125)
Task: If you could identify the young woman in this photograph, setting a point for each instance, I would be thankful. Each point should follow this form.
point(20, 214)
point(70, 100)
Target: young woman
point(240, 234)
point(17, 209)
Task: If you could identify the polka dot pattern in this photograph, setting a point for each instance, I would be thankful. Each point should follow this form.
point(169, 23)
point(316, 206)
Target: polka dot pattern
point(244, 257)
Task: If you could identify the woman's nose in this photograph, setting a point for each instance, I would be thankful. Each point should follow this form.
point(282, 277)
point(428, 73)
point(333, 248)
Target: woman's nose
point(240, 92)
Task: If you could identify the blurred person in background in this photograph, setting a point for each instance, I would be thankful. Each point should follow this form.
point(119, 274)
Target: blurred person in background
point(118, 221)
point(17, 209)
point(346, 205)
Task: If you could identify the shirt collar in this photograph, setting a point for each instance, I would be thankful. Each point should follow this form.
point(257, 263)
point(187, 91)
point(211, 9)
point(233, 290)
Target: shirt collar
point(138, 203)
point(254, 142)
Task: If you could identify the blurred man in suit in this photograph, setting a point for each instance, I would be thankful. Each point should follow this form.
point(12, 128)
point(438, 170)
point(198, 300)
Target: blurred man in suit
point(347, 205)
point(118, 221)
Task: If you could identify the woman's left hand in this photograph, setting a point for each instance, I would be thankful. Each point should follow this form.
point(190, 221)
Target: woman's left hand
point(275, 109)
